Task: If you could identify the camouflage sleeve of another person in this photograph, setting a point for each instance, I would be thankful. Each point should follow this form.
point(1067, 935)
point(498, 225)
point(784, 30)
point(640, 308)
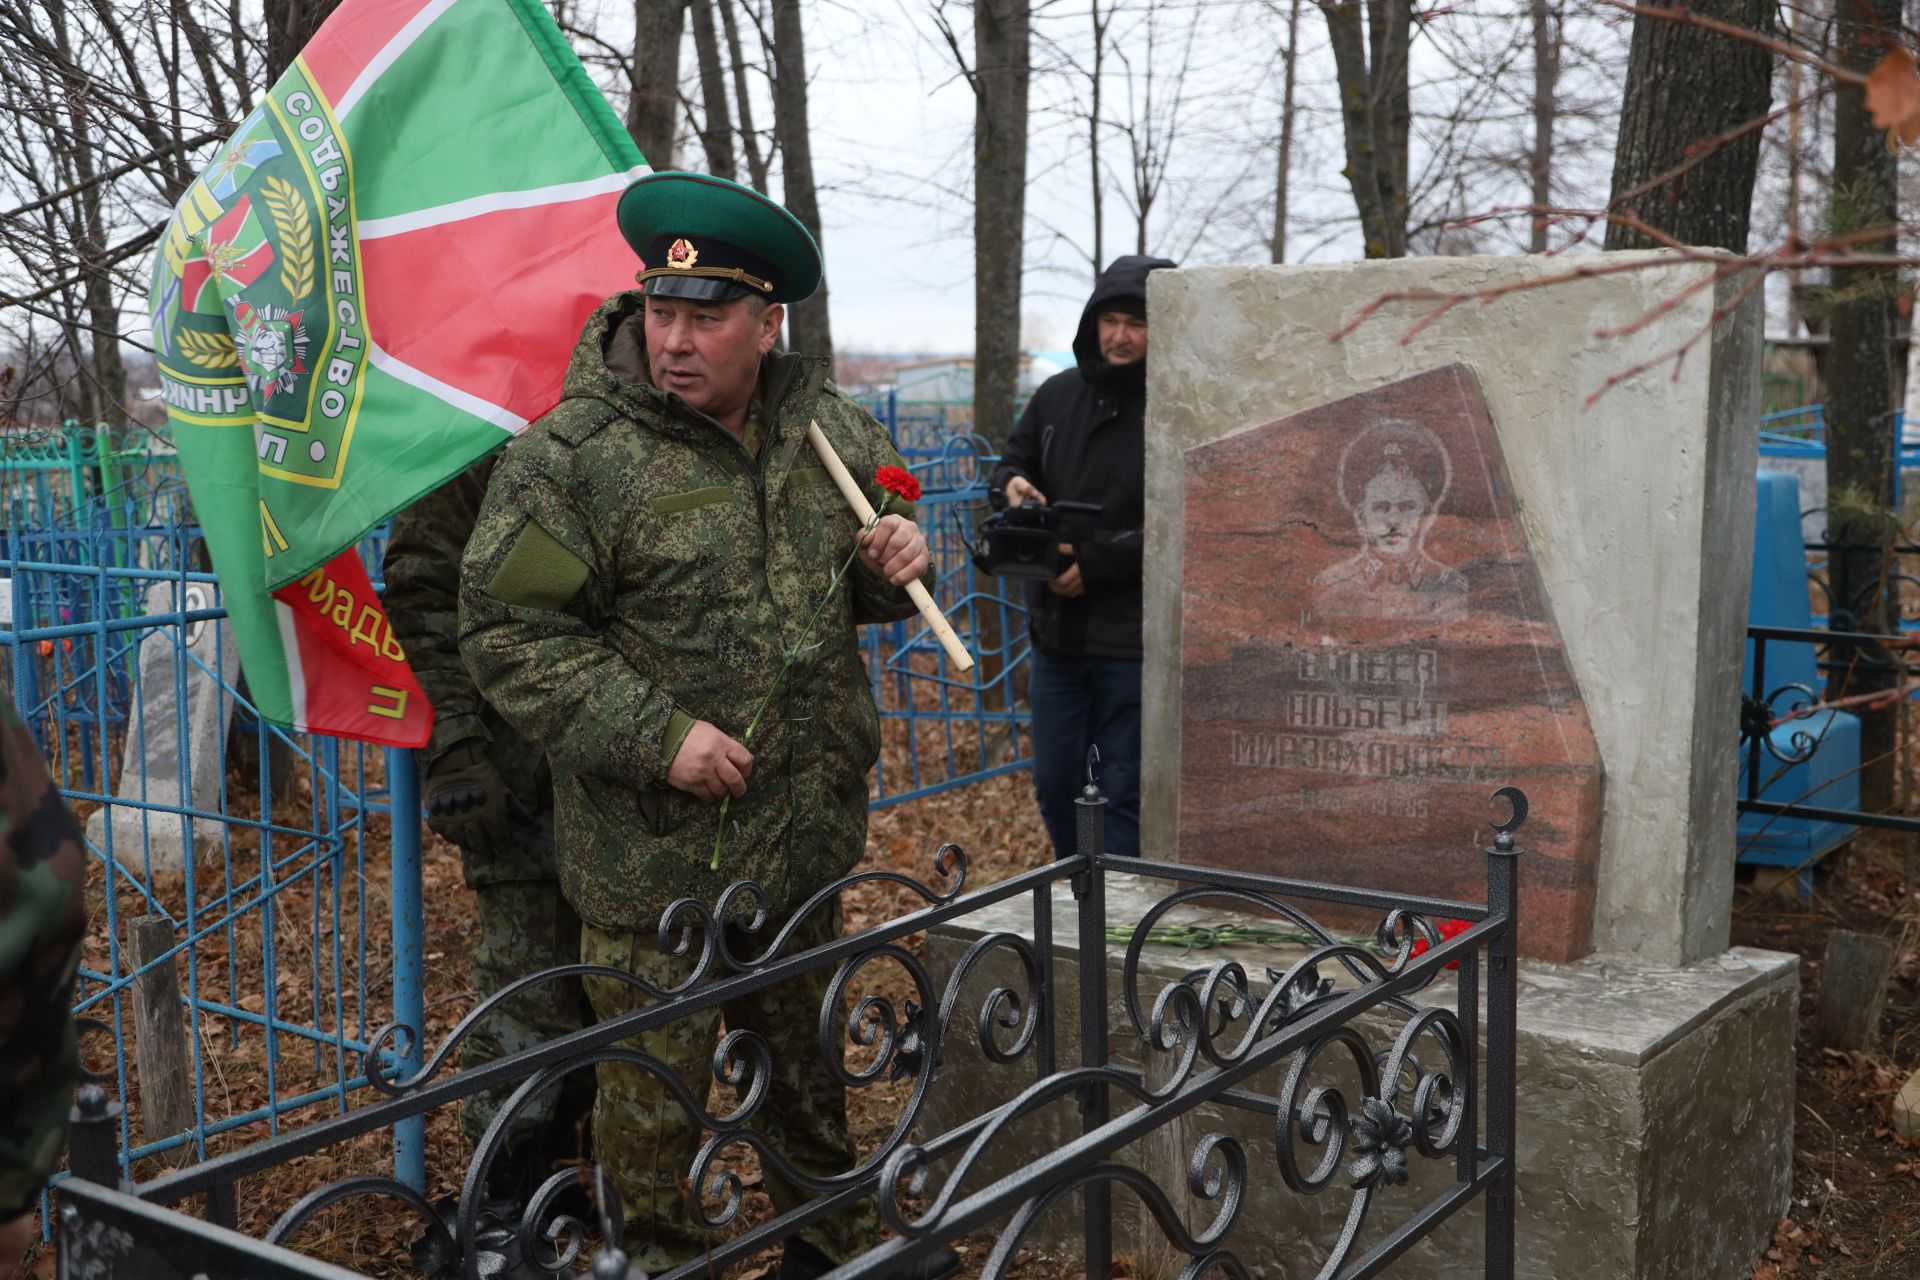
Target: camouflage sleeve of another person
point(42, 919)
point(531, 570)
point(423, 601)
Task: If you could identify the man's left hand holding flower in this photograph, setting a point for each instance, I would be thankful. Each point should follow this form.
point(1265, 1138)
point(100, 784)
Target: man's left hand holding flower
point(896, 550)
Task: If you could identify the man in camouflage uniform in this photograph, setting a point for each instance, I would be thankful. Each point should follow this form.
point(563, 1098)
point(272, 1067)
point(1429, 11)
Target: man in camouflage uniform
point(648, 557)
point(42, 918)
point(490, 792)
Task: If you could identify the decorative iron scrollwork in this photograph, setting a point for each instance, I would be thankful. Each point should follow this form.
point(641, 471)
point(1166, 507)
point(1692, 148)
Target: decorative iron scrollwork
point(1347, 1120)
point(1759, 717)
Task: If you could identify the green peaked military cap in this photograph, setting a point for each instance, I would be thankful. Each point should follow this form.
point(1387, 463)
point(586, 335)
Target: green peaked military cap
point(704, 237)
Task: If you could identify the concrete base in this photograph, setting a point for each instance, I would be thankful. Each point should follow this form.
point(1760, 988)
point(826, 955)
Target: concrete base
point(1655, 1111)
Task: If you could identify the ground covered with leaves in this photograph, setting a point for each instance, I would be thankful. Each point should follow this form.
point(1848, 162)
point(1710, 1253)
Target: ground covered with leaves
point(1856, 1200)
point(1855, 1211)
point(993, 821)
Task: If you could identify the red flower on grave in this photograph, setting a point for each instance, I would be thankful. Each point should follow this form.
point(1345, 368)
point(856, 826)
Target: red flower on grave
point(899, 482)
point(1447, 929)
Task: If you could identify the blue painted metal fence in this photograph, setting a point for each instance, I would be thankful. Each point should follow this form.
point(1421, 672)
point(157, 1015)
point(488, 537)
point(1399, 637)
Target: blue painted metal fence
point(942, 730)
point(255, 847)
point(1802, 434)
point(1799, 783)
point(293, 889)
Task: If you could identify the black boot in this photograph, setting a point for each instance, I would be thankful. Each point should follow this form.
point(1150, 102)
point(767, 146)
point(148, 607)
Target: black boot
point(804, 1262)
point(496, 1244)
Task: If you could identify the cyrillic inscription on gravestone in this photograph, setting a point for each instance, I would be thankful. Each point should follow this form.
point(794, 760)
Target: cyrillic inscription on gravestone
point(1367, 655)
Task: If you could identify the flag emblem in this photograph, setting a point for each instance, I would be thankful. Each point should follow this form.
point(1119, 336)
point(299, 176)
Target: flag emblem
point(315, 283)
point(272, 346)
point(252, 147)
point(235, 252)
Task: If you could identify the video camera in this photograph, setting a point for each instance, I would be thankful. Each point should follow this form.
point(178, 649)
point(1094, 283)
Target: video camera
point(1024, 541)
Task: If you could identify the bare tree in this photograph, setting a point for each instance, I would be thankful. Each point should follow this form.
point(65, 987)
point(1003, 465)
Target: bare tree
point(1002, 31)
point(1865, 360)
point(1687, 85)
point(999, 73)
point(1283, 165)
point(1156, 97)
point(104, 106)
point(758, 161)
point(653, 111)
point(811, 330)
point(1371, 64)
point(1102, 21)
point(290, 24)
point(1546, 79)
point(716, 122)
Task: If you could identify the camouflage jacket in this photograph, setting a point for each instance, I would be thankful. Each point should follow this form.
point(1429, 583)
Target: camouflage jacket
point(635, 568)
point(42, 918)
point(422, 570)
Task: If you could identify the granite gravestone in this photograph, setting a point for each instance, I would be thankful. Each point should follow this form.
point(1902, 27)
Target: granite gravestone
point(140, 812)
point(1367, 655)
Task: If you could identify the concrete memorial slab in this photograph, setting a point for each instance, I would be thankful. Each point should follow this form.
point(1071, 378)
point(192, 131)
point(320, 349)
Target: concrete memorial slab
point(1367, 654)
point(156, 776)
point(1636, 497)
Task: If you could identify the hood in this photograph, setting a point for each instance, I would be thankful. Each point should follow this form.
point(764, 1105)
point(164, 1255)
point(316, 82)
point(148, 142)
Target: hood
point(610, 365)
point(1125, 277)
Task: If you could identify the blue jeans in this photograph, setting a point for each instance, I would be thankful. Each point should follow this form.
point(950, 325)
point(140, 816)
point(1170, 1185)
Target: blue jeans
point(1077, 703)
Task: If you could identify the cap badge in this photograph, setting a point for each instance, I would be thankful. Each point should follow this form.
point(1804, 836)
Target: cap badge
point(682, 254)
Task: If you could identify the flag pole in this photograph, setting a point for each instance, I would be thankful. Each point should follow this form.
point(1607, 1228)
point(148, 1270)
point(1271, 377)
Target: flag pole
point(956, 652)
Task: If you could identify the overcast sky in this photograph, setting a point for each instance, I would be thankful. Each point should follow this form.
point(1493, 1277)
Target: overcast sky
point(892, 124)
point(892, 134)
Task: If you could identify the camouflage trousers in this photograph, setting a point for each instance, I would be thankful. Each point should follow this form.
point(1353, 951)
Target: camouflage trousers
point(527, 926)
point(647, 1142)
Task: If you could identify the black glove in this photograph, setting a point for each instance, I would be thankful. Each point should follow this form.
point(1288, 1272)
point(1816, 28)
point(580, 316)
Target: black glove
point(466, 799)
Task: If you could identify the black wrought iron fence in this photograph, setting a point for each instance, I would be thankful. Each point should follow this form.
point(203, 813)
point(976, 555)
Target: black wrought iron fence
point(1371, 1075)
point(1800, 741)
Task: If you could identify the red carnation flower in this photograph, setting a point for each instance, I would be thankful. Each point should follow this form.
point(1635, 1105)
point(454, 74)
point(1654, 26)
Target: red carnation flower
point(899, 482)
point(1447, 929)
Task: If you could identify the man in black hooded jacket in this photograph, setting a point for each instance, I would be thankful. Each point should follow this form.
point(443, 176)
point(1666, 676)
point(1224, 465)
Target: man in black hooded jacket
point(1082, 439)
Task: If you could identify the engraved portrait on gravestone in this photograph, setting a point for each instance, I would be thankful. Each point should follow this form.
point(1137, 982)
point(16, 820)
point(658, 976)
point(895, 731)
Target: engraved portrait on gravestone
point(1393, 478)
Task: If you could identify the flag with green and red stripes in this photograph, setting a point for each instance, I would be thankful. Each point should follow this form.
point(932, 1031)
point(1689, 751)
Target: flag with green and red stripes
point(377, 280)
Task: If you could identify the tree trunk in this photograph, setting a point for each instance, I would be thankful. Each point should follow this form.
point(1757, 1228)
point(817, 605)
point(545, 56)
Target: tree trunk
point(811, 333)
point(1375, 114)
point(653, 112)
point(1284, 165)
point(1795, 128)
point(290, 24)
point(1001, 30)
point(1865, 358)
point(1100, 24)
point(108, 390)
point(1546, 76)
point(1684, 86)
point(103, 313)
point(1392, 28)
point(716, 127)
point(749, 139)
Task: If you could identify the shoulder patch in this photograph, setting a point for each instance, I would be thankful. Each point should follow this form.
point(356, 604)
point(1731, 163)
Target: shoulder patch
point(538, 573)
